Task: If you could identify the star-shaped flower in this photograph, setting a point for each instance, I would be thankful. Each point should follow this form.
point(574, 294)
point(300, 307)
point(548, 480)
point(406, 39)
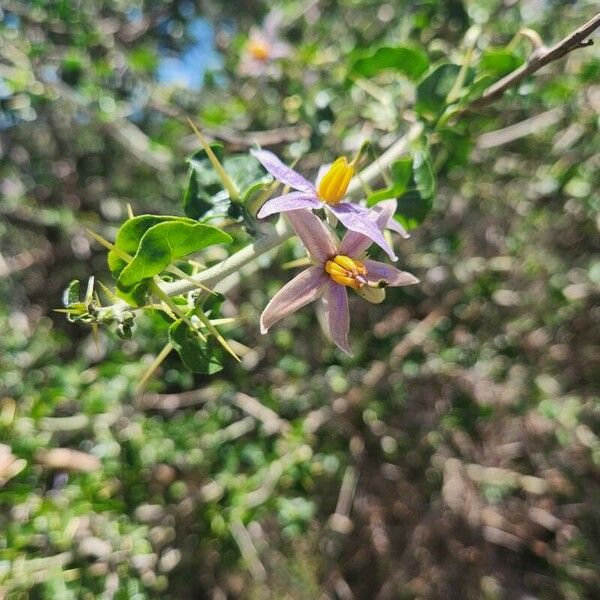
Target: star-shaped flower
point(264, 48)
point(328, 193)
point(336, 267)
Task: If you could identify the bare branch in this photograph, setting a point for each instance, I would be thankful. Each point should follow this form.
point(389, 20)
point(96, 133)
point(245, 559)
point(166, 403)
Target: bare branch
point(509, 134)
point(538, 59)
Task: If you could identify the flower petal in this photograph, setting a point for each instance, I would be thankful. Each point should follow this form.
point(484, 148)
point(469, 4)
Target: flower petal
point(282, 172)
point(318, 239)
point(358, 219)
point(354, 244)
point(383, 212)
point(280, 50)
point(395, 226)
point(377, 270)
point(291, 201)
point(295, 294)
point(335, 299)
point(386, 220)
point(272, 23)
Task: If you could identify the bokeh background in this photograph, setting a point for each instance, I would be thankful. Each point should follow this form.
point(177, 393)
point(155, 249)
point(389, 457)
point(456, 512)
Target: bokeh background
point(455, 456)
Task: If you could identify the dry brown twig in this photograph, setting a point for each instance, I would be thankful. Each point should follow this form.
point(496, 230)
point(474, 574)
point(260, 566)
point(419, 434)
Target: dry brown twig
point(540, 57)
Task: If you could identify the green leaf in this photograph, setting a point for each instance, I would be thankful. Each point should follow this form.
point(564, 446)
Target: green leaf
point(459, 143)
point(412, 209)
point(130, 234)
point(416, 203)
point(408, 61)
point(142, 59)
point(246, 172)
point(165, 242)
point(71, 293)
point(212, 305)
point(77, 308)
point(401, 171)
point(135, 295)
point(197, 355)
point(499, 61)
point(205, 193)
point(413, 184)
point(203, 185)
point(475, 89)
point(433, 90)
point(423, 173)
point(196, 200)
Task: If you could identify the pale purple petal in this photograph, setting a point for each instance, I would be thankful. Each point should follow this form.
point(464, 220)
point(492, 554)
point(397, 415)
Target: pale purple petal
point(318, 239)
point(356, 218)
point(386, 220)
point(335, 298)
point(272, 23)
point(383, 212)
point(291, 201)
point(354, 244)
point(300, 291)
point(395, 226)
point(282, 172)
point(377, 271)
point(280, 50)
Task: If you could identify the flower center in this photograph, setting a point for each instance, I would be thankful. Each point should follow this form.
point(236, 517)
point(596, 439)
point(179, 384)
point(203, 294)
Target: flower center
point(334, 183)
point(259, 49)
point(347, 271)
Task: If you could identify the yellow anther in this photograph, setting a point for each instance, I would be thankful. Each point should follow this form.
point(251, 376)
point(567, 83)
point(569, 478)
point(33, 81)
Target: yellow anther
point(259, 49)
point(346, 271)
point(335, 269)
point(334, 183)
point(354, 266)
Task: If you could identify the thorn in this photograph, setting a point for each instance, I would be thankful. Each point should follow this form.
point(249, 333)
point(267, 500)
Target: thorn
point(227, 182)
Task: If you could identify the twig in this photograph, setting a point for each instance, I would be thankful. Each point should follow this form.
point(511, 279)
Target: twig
point(22, 261)
point(538, 59)
point(521, 129)
point(123, 131)
point(340, 521)
point(248, 551)
point(417, 336)
point(246, 139)
point(270, 475)
point(228, 434)
point(65, 459)
point(270, 419)
point(172, 402)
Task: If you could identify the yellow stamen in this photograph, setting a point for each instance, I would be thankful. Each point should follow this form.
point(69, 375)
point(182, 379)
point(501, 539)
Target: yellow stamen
point(334, 183)
point(259, 49)
point(347, 271)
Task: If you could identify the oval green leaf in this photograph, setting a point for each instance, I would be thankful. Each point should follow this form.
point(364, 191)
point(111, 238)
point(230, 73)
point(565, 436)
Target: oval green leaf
point(130, 235)
point(402, 59)
point(433, 90)
point(197, 355)
point(165, 242)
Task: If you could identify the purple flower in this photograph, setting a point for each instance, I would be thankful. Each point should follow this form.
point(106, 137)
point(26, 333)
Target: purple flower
point(337, 266)
point(264, 46)
point(329, 194)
